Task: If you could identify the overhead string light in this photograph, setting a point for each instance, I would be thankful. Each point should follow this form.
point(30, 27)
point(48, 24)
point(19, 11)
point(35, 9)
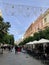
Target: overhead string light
point(22, 10)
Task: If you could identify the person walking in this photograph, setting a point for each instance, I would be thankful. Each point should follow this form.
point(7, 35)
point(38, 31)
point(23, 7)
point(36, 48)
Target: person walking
point(16, 48)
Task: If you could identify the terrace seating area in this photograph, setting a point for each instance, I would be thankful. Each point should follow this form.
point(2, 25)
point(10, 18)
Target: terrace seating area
point(39, 50)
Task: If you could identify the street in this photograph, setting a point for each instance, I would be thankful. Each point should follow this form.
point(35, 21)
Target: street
point(10, 58)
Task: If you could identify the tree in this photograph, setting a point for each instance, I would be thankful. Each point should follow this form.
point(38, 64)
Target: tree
point(46, 33)
point(9, 39)
point(4, 27)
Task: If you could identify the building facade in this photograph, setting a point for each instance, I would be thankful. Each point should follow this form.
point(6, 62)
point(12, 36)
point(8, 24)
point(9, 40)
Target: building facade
point(0, 13)
point(41, 22)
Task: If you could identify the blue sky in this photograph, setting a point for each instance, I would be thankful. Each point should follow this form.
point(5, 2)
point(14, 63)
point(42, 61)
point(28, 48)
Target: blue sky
point(21, 13)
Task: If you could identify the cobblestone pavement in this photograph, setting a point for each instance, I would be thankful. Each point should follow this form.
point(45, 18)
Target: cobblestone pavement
point(10, 58)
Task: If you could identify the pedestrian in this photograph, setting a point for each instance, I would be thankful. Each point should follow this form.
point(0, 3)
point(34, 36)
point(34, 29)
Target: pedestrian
point(16, 48)
point(19, 49)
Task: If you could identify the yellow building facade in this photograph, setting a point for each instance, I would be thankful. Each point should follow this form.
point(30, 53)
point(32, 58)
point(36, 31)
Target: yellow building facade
point(40, 23)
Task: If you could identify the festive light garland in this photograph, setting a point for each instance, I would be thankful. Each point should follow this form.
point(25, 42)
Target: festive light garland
point(22, 10)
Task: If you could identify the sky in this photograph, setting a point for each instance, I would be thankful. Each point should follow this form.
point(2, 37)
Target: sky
point(21, 13)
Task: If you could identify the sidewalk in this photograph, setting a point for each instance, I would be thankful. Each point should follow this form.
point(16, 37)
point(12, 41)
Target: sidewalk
point(11, 58)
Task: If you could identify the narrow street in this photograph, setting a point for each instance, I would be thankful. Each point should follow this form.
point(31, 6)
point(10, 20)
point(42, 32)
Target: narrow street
point(10, 58)
point(24, 32)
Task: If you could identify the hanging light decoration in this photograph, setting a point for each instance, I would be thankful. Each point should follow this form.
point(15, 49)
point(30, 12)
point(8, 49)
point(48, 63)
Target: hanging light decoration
point(12, 6)
point(23, 10)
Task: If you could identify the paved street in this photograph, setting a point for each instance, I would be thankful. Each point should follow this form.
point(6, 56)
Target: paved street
point(10, 58)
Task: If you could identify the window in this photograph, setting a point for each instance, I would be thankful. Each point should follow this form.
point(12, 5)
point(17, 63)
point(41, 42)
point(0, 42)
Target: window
point(45, 20)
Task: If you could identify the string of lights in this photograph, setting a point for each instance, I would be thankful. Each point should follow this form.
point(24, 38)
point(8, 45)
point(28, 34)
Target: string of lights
point(22, 10)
